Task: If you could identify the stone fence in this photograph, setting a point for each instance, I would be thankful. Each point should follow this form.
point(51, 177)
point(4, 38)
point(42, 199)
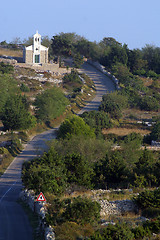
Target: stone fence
point(118, 207)
point(102, 69)
point(40, 208)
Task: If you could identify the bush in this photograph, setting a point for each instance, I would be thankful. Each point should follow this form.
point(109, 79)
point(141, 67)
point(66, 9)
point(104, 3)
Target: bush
point(24, 88)
point(113, 104)
point(97, 120)
point(155, 134)
point(148, 199)
point(6, 68)
point(151, 212)
point(74, 126)
point(114, 232)
point(140, 232)
point(72, 80)
point(82, 210)
point(79, 170)
point(110, 171)
point(91, 149)
point(149, 103)
point(50, 104)
point(15, 115)
point(2, 150)
point(47, 174)
point(153, 225)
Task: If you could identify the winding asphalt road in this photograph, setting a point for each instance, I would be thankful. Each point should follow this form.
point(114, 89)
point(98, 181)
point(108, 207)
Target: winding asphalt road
point(14, 224)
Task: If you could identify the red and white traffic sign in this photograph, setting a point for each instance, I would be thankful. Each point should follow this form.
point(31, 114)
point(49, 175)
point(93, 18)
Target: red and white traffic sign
point(41, 198)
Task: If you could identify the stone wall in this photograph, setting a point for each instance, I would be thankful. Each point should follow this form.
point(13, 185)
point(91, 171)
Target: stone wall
point(118, 207)
point(102, 69)
point(8, 61)
point(29, 56)
point(44, 57)
point(29, 198)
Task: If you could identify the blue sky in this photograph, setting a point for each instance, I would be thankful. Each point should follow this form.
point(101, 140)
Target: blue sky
point(134, 22)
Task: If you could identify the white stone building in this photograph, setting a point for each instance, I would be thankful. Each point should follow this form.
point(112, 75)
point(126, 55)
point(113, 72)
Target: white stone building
point(36, 53)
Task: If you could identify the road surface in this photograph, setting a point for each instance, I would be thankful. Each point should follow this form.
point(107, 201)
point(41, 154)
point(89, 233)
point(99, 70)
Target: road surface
point(102, 83)
point(14, 224)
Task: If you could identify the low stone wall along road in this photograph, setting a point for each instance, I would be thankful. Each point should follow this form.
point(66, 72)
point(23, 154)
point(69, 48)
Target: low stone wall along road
point(14, 224)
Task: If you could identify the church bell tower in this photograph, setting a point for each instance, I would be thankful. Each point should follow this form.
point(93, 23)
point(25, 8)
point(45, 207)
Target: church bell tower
point(36, 47)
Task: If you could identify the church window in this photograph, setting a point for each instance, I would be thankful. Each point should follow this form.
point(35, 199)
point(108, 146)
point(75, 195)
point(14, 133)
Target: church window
point(37, 58)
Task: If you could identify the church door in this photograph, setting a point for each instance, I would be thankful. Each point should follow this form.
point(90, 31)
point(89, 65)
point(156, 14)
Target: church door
point(37, 58)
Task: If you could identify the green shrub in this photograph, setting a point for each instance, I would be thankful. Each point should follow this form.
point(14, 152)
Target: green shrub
point(148, 199)
point(140, 232)
point(74, 126)
point(97, 120)
point(2, 150)
point(114, 232)
point(113, 104)
point(153, 225)
point(151, 212)
point(6, 68)
point(149, 103)
point(47, 174)
point(79, 170)
point(50, 104)
point(24, 88)
point(82, 210)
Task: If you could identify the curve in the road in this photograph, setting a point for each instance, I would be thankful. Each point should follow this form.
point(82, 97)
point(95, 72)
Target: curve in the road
point(14, 224)
point(103, 84)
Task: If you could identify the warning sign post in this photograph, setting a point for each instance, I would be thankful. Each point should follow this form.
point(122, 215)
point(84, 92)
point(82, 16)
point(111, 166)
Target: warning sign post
point(41, 198)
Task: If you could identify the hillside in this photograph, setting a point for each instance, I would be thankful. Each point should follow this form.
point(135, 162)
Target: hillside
point(99, 178)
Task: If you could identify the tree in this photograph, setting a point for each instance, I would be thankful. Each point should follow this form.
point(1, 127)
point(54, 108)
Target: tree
point(15, 115)
point(155, 134)
point(78, 60)
point(74, 126)
point(97, 120)
point(151, 53)
point(110, 171)
point(113, 104)
point(28, 42)
point(149, 103)
point(47, 174)
point(122, 73)
point(50, 104)
point(79, 171)
point(8, 86)
point(61, 45)
point(145, 169)
point(91, 149)
point(131, 149)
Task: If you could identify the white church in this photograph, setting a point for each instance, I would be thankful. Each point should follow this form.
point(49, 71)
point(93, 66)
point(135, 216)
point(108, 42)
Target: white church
point(36, 53)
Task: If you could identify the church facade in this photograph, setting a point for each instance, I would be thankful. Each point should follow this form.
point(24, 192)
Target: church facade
point(36, 53)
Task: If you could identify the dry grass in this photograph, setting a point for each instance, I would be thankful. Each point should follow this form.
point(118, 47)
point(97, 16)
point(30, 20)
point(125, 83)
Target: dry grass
point(139, 114)
point(147, 81)
point(124, 131)
point(10, 52)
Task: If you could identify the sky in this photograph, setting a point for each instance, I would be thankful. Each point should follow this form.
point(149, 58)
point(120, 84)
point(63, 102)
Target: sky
point(134, 22)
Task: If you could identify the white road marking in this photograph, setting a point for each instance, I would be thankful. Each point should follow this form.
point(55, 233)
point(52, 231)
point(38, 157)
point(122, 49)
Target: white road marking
point(7, 191)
